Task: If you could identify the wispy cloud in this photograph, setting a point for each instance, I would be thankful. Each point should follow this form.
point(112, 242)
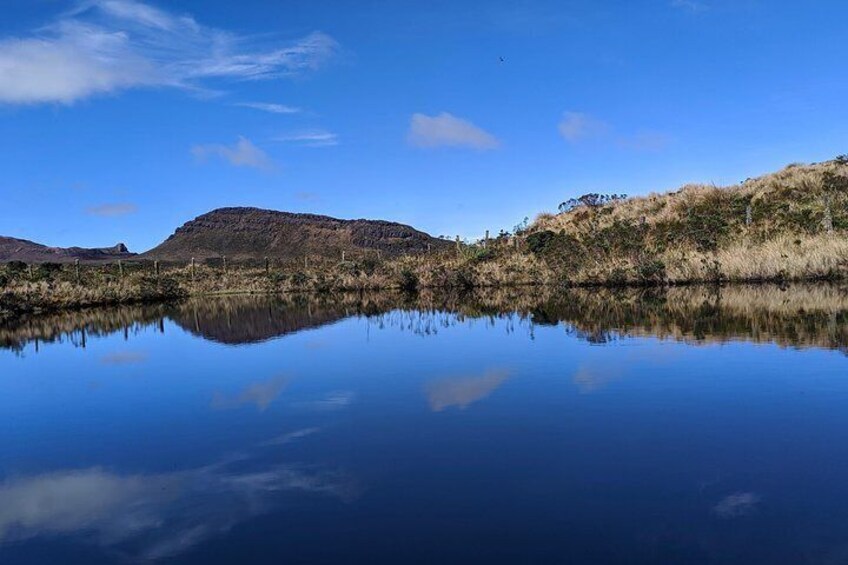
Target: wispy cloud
point(124, 358)
point(112, 210)
point(270, 108)
point(305, 196)
point(446, 130)
point(578, 127)
point(105, 46)
point(691, 5)
point(310, 138)
point(243, 154)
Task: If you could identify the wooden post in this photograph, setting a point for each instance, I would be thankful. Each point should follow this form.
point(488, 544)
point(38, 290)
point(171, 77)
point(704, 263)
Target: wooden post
point(120, 269)
point(343, 256)
point(486, 241)
point(827, 222)
point(29, 268)
point(267, 266)
point(156, 268)
point(458, 248)
point(306, 261)
point(428, 248)
point(77, 270)
point(192, 269)
point(224, 259)
point(748, 215)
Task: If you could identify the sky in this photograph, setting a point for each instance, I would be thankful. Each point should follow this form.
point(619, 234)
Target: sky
point(121, 119)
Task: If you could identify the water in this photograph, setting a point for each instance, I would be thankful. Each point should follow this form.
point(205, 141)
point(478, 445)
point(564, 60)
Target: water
point(689, 426)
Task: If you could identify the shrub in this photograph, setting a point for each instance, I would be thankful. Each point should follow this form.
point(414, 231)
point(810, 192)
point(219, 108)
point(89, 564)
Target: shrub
point(408, 279)
point(537, 242)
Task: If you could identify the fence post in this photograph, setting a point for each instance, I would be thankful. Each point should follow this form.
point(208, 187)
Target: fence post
point(267, 266)
point(29, 268)
point(486, 241)
point(343, 256)
point(306, 261)
point(748, 215)
point(192, 269)
point(77, 270)
point(156, 268)
point(120, 269)
point(224, 258)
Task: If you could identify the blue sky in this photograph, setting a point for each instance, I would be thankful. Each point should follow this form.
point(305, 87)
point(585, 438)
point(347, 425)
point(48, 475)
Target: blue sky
point(122, 120)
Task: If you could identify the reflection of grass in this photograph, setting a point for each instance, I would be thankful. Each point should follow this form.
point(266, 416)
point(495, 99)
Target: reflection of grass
point(794, 315)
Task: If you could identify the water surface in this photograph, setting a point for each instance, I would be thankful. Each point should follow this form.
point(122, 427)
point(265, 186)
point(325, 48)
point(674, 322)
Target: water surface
point(697, 425)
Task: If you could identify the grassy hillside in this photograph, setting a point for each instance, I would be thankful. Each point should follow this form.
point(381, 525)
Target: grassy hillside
point(790, 225)
point(787, 225)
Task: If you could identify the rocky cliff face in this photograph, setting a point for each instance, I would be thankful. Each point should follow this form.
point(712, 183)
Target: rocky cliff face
point(252, 233)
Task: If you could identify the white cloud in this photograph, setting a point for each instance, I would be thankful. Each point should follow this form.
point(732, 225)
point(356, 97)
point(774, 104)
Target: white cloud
point(311, 138)
point(576, 127)
point(270, 108)
point(692, 5)
point(105, 46)
point(446, 130)
point(113, 210)
point(243, 154)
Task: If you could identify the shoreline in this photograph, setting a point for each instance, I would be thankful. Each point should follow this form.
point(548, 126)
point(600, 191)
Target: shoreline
point(16, 309)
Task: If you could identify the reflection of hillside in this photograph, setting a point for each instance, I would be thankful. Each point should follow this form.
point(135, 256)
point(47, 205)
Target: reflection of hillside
point(78, 327)
point(798, 316)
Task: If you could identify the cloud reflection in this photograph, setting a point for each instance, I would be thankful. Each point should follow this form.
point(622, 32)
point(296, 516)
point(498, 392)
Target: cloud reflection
point(153, 516)
point(261, 394)
point(737, 504)
point(464, 391)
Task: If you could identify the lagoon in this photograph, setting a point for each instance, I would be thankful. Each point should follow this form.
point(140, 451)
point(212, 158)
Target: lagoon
point(682, 425)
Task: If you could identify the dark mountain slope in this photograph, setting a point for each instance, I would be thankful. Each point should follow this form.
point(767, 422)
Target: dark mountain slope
point(252, 233)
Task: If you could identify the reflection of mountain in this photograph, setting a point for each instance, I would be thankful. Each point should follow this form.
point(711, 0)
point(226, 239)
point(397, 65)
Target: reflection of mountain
point(796, 316)
point(252, 319)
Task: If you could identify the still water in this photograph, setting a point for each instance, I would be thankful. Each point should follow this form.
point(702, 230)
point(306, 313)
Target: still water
point(696, 425)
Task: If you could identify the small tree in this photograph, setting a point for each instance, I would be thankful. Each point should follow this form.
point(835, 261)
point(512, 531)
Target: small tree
point(590, 200)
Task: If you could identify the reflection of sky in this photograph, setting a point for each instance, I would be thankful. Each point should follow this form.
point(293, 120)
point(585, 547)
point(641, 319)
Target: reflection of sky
point(517, 441)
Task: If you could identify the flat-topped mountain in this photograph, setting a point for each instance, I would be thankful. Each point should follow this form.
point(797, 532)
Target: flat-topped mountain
point(13, 249)
point(253, 233)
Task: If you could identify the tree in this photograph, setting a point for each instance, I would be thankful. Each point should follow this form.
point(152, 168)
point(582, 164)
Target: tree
point(590, 200)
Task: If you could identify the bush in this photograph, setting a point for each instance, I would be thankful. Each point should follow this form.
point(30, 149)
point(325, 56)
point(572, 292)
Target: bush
point(408, 279)
point(537, 242)
point(651, 270)
point(16, 267)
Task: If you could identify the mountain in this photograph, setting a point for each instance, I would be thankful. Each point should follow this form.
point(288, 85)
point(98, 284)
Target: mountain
point(13, 249)
point(253, 233)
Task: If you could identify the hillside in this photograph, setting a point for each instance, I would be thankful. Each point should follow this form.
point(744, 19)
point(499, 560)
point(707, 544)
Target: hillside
point(788, 224)
point(252, 233)
point(12, 249)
